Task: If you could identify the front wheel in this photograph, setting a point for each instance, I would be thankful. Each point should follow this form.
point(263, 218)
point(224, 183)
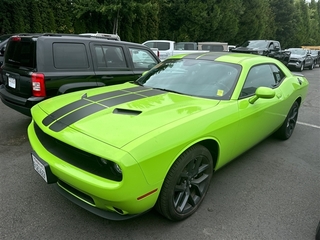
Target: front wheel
point(286, 129)
point(312, 66)
point(186, 184)
point(302, 67)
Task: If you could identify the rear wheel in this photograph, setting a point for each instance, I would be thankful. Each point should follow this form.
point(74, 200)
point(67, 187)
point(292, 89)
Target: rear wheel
point(286, 129)
point(186, 184)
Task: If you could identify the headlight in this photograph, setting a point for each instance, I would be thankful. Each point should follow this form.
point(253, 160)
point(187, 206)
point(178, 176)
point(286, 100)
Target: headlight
point(117, 168)
point(112, 170)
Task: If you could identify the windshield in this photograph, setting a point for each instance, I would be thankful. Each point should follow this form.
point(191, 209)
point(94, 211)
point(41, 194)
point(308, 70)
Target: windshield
point(202, 78)
point(255, 44)
point(297, 51)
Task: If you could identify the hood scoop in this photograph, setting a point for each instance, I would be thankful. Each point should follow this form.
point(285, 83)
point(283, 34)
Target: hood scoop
point(126, 111)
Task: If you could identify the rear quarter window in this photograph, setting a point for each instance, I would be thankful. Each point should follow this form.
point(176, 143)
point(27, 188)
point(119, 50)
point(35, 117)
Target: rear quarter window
point(70, 56)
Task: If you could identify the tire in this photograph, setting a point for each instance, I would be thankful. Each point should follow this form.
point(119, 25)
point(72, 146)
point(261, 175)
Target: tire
point(302, 67)
point(318, 232)
point(286, 129)
point(186, 184)
point(312, 66)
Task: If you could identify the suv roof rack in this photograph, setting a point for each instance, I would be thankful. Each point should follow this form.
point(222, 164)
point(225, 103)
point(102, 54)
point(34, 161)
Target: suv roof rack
point(108, 36)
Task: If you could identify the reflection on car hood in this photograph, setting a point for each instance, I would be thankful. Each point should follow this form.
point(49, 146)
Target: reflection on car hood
point(118, 114)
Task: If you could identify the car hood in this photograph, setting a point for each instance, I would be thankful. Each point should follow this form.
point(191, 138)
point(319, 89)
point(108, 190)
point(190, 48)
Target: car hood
point(246, 49)
point(117, 114)
point(296, 56)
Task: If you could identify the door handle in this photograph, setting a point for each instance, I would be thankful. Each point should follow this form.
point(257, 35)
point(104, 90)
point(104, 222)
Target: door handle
point(106, 77)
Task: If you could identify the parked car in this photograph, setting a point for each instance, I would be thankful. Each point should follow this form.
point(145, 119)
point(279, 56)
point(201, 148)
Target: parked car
point(3, 44)
point(167, 48)
point(300, 59)
point(318, 232)
point(120, 150)
point(38, 67)
point(315, 54)
point(269, 48)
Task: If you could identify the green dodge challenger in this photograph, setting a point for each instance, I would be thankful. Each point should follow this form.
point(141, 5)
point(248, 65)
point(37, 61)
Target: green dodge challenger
point(119, 151)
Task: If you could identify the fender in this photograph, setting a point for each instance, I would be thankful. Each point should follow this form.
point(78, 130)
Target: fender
point(72, 87)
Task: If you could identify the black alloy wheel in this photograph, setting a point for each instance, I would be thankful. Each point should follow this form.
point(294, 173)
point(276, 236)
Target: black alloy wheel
point(186, 184)
point(286, 130)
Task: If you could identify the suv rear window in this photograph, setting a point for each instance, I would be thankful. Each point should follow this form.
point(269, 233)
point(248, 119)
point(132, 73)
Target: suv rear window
point(163, 46)
point(21, 53)
point(213, 48)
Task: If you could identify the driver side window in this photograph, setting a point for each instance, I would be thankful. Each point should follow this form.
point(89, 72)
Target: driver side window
point(258, 76)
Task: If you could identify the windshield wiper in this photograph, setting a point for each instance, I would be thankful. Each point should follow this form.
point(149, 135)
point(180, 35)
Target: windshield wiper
point(167, 90)
point(137, 83)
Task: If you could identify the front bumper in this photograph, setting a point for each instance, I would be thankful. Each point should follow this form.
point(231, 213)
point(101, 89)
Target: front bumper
point(295, 64)
point(114, 200)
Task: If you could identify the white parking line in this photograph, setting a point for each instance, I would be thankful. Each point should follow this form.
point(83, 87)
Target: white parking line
point(308, 124)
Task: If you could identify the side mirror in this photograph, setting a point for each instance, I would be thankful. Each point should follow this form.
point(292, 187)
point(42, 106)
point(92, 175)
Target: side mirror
point(262, 92)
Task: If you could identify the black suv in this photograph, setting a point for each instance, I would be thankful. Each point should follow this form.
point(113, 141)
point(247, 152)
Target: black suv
point(41, 66)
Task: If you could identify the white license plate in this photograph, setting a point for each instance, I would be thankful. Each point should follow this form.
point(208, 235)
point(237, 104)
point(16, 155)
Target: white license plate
point(12, 82)
point(39, 167)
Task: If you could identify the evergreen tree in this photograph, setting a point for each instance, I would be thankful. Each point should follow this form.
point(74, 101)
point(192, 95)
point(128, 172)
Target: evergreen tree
point(256, 21)
point(285, 22)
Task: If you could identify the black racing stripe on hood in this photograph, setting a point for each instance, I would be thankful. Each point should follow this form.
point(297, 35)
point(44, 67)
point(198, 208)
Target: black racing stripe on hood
point(75, 116)
point(64, 110)
point(151, 93)
point(96, 107)
point(106, 95)
point(82, 102)
point(121, 99)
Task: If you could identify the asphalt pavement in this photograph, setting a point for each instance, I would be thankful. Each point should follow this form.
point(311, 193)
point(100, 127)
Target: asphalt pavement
point(270, 192)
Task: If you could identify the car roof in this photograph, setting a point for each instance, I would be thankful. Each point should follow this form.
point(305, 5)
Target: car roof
point(230, 57)
point(77, 37)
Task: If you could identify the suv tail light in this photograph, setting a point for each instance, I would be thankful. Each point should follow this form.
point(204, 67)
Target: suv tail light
point(15, 38)
point(38, 86)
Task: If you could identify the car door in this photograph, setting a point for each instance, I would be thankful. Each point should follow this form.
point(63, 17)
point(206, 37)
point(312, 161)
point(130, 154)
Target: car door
point(261, 118)
point(309, 59)
point(110, 63)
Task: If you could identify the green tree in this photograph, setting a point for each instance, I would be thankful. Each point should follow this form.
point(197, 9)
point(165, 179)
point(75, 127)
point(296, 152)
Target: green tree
point(228, 27)
point(285, 22)
point(314, 23)
point(257, 21)
point(35, 18)
point(302, 33)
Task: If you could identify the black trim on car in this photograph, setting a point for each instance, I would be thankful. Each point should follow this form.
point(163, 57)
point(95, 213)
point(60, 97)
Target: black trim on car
point(77, 157)
point(99, 212)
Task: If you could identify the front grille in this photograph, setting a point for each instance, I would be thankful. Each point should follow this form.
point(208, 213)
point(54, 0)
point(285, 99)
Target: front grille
point(76, 157)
